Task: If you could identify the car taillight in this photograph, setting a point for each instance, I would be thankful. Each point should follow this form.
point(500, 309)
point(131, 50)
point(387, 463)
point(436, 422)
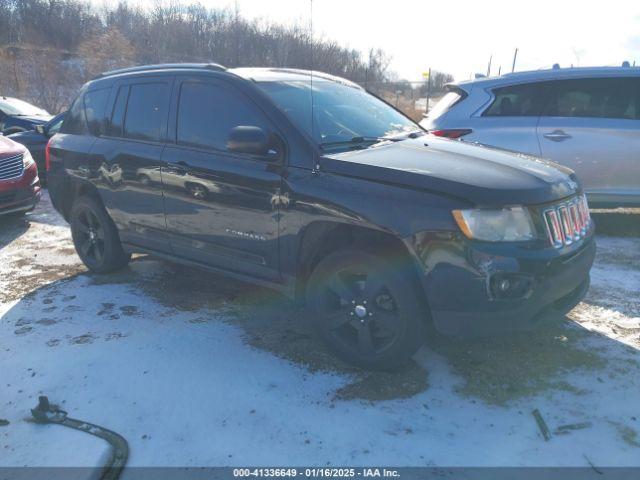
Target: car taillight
point(451, 132)
point(47, 156)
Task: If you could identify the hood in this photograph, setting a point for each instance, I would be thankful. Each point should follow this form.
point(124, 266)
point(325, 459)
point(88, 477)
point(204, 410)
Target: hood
point(483, 175)
point(28, 137)
point(9, 148)
point(36, 119)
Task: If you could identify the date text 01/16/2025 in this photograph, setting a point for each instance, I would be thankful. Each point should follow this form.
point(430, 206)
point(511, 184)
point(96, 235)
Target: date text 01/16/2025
point(316, 472)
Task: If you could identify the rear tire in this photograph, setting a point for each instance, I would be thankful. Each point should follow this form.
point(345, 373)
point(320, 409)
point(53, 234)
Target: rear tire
point(366, 309)
point(95, 237)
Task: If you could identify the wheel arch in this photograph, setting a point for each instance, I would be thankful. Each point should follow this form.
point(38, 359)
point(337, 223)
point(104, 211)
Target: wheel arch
point(73, 189)
point(321, 238)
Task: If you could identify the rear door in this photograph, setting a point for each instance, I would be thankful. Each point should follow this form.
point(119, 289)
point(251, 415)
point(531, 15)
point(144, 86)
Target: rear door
point(221, 206)
point(511, 119)
point(72, 146)
point(592, 125)
point(128, 156)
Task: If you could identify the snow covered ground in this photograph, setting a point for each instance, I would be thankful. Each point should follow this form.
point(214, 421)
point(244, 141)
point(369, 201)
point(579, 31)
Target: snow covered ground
point(196, 370)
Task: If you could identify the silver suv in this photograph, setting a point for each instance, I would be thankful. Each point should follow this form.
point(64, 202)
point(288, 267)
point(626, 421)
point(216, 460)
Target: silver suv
point(585, 118)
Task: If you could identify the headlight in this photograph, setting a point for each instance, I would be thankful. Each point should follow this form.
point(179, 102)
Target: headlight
point(511, 224)
point(27, 159)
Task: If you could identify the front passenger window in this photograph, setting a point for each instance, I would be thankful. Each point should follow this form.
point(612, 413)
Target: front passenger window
point(595, 98)
point(208, 112)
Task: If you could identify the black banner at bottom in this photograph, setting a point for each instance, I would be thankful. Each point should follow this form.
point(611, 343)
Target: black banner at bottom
point(404, 473)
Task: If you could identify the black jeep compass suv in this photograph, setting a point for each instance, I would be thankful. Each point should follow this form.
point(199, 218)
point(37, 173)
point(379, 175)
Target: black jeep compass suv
point(306, 183)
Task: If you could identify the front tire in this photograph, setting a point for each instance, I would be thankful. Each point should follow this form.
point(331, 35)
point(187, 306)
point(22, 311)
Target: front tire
point(366, 309)
point(95, 237)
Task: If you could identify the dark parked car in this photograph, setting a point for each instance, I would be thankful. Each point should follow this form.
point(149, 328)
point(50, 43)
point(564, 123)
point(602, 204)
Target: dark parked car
point(36, 141)
point(18, 116)
point(19, 183)
point(314, 187)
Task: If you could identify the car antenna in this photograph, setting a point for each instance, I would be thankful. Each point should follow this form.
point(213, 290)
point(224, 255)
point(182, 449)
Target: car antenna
point(316, 168)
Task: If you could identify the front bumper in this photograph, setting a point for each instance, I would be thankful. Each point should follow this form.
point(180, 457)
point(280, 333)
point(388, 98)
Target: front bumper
point(22, 194)
point(458, 279)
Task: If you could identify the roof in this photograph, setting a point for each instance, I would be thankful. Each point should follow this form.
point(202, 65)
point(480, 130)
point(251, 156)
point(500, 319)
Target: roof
point(553, 73)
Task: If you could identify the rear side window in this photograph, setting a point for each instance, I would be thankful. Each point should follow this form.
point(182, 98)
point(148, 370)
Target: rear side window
point(116, 125)
point(95, 104)
point(208, 112)
point(146, 111)
point(617, 98)
point(524, 100)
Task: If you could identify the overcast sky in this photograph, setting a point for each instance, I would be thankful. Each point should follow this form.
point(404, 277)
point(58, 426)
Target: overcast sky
point(459, 36)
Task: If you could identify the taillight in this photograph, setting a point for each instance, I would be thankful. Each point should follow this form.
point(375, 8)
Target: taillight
point(451, 132)
point(47, 156)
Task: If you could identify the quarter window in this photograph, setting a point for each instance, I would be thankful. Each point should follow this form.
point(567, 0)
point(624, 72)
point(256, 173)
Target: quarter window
point(524, 100)
point(146, 111)
point(74, 122)
point(208, 112)
point(95, 103)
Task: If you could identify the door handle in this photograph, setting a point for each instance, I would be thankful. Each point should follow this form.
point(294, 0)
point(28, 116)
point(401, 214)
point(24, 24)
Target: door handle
point(557, 136)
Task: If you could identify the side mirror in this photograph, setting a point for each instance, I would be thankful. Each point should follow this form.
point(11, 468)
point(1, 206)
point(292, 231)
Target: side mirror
point(41, 129)
point(248, 139)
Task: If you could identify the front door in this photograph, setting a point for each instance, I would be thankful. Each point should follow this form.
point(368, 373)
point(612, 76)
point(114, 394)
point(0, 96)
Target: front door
point(221, 206)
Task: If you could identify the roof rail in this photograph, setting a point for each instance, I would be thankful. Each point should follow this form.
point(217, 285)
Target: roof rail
point(163, 66)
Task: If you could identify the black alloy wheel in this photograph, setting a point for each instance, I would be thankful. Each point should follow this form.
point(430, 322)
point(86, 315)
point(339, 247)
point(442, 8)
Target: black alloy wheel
point(90, 237)
point(366, 308)
point(96, 237)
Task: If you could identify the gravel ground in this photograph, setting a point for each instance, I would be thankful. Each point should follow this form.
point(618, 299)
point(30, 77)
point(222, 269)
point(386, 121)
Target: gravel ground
point(196, 370)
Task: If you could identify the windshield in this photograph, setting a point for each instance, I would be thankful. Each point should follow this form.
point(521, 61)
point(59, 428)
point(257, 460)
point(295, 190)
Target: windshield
point(13, 106)
point(55, 124)
point(341, 114)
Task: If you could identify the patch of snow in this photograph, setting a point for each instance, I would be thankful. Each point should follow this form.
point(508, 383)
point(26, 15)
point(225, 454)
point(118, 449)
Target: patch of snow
point(187, 393)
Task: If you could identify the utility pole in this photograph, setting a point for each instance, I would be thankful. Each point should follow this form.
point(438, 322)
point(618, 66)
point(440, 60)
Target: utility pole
point(426, 105)
point(515, 55)
point(489, 66)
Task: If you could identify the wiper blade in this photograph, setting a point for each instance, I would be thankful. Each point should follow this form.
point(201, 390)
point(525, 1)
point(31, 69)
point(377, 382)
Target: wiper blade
point(356, 141)
point(416, 134)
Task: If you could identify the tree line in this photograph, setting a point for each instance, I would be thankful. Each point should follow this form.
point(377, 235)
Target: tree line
point(48, 48)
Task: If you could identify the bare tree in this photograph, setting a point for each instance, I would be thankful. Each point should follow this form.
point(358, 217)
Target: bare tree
point(84, 40)
point(106, 51)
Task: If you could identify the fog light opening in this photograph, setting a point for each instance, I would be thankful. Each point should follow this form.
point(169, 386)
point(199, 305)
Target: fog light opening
point(510, 286)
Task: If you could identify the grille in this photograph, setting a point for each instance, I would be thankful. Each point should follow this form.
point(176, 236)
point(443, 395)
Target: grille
point(11, 167)
point(567, 222)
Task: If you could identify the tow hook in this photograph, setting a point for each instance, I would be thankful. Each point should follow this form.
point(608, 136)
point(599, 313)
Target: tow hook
point(47, 413)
